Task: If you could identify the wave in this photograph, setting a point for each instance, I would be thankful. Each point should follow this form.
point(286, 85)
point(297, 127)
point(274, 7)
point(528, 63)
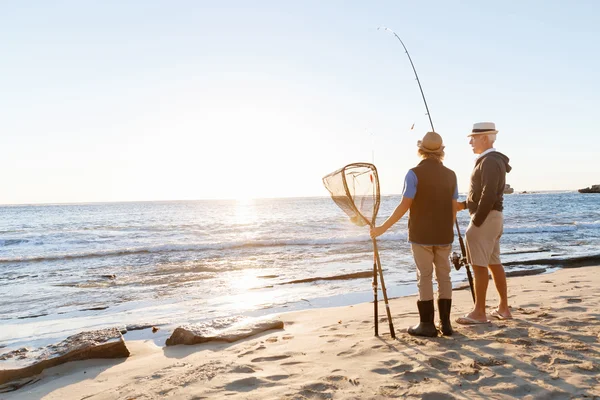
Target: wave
point(343, 277)
point(563, 262)
point(552, 228)
point(12, 242)
point(195, 247)
point(527, 251)
point(306, 241)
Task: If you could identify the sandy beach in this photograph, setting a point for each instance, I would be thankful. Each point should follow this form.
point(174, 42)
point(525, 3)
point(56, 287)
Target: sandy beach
point(550, 350)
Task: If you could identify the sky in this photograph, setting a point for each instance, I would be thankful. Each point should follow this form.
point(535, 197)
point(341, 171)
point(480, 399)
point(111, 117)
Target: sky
point(180, 100)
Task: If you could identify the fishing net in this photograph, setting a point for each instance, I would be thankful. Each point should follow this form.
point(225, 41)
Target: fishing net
point(355, 189)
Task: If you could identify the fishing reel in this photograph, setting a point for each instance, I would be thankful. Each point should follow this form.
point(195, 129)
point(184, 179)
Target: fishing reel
point(457, 260)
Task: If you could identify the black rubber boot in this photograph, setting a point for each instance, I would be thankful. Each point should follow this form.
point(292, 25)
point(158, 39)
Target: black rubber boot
point(426, 326)
point(444, 307)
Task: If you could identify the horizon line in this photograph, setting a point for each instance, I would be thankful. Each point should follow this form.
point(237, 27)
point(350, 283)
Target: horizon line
point(228, 199)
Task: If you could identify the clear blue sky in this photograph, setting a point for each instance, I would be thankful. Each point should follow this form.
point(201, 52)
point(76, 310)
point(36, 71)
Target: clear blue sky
point(157, 100)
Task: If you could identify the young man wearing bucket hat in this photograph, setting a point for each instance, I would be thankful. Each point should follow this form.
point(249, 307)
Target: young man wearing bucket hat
point(484, 202)
point(431, 193)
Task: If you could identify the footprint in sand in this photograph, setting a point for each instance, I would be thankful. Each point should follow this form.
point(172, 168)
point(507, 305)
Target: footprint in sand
point(563, 361)
point(316, 390)
point(271, 358)
point(392, 391)
point(244, 369)
point(575, 309)
point(292, 363)
point(571, 346)
point(414, 376)
point(532, 305)
point(261, 347)
point(469, 372)
point(489, 362)
point(319, 387)
point(336, 337)
point(247, 384)
point(541, 359)
point(568, 322)
point(287, 337)
point(454, 355)
point(545, 315)
point(574, 300)
point(437, 396)
point(588, 366)
point(336, 378)
point(394, 367)
point(439, 364)
point(277, 377)
point(271, 340)
point(525, 311)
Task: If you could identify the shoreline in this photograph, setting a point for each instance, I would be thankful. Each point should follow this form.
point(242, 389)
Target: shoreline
point(551, 348)
point(84, 317)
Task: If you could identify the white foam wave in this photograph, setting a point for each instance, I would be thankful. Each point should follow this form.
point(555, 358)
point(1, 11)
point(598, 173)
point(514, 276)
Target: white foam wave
point(552, 228)
point(12, 242)
point(588, 225)
point(199, 247)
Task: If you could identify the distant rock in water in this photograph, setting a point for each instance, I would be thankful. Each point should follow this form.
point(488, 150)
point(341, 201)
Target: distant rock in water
point(508, 189)
point(105, 343)
point(197, 334)
point(593, 189)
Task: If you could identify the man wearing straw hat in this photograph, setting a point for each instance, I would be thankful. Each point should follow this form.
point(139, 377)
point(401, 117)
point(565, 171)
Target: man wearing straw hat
point(484, 203)
point(431, 193)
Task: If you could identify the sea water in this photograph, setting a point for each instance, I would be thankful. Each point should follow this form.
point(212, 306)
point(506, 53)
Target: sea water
point(69, 268)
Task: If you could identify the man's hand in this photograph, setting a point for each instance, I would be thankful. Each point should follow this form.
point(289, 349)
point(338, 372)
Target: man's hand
point(377, 231)
point(462, 205)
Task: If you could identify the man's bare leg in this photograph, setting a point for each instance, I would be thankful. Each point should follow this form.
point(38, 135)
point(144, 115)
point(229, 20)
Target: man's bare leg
point(481, 284)
point(499, 277)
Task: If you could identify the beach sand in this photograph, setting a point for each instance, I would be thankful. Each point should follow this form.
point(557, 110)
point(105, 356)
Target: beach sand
point(550, 350)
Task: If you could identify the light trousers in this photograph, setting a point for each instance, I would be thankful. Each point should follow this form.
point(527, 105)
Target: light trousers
point(428, 260)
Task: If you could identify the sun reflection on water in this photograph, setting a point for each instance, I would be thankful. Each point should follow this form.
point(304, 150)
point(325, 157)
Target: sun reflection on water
point(251, 290)
point(245, 212)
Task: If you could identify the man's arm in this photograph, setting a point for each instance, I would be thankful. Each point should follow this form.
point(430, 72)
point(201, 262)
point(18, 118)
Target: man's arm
point(454, 208)
point(408, 194)
point(398, 213)
point(455, 205)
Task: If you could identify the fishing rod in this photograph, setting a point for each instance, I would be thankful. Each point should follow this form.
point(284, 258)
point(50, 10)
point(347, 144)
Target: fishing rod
point(455, 258)
point(414, 70)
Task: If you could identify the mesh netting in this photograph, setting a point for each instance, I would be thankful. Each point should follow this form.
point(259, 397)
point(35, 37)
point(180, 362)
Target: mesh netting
point(355, 189)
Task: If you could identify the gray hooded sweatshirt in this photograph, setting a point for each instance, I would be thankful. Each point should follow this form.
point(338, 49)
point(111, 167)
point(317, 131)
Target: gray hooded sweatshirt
point(487, 186)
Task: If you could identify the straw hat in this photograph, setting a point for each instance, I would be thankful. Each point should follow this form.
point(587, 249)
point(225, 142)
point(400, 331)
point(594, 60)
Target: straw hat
point(431, 143)
point(483, 128)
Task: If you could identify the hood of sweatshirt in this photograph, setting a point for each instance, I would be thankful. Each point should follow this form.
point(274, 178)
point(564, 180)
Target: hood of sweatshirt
point(498, 156)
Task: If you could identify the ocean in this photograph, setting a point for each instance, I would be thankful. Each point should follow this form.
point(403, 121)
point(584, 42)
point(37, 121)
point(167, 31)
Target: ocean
point(69, 268)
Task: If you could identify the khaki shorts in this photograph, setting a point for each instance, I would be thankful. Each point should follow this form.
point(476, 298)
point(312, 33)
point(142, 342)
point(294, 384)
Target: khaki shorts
point(483, 242)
